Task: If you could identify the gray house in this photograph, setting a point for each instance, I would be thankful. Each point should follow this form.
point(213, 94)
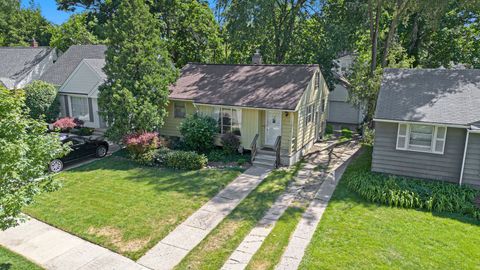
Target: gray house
point(77, 74)
point(427, 124)
point(21, 65)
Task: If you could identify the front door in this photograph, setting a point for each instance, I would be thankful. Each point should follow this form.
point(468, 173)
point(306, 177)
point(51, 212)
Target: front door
point(273, 127)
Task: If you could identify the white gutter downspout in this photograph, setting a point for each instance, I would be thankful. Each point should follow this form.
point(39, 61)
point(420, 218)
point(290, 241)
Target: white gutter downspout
point(464, 156)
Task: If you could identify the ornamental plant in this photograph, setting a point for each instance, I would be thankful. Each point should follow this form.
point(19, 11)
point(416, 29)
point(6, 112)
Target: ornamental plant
point(42, 100)
point(230, 143)
point(141, 145)
point(65, 124)
point(198, 132)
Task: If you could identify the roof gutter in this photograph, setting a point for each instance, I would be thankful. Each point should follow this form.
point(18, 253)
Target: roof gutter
point(421, 123)
point(469, 130)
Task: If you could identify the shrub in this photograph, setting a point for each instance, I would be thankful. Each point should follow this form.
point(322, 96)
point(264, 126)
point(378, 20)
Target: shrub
point(329, 129)
point(41, 98)
point(184, 160)
point(407, 192)
point(368, 136)
point(84, 131)
point(142, 145)
point(230, 143)
point(241, 161)
point(78, 123)
point(346, 133)
point(198, 132)
point(216, 155)
point(65, 124)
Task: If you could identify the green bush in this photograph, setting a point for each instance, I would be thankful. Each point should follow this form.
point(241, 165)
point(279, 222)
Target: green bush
point(329, 129)
point(368, 136)
point(230, 143)
point(408, 192)
point(241, 161)
point(83, 131)
point(198, 132)
point(184, 160)
point(346, 133)
point(42, 100)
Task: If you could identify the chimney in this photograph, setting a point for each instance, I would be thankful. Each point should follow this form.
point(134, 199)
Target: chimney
point(257, 58)
point(34, 43)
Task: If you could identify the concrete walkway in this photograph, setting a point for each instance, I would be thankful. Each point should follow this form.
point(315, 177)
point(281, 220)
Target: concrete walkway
point(174, 247)
point(52, 248)
point(338, 161)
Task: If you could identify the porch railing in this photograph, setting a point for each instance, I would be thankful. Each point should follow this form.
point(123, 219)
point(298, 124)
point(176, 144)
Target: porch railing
point(278, 142)
point(253, 147)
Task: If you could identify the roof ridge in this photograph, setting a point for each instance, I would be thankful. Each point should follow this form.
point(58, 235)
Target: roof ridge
point(219, 64)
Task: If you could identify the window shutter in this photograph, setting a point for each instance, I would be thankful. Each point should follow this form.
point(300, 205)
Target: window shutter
point(440, 138)
point(402, 136)
point(90, 110)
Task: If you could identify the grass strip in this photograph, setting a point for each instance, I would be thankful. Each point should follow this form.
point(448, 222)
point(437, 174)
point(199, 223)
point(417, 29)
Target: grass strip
point(276, 242)
point(13, 261)
point(215, 249)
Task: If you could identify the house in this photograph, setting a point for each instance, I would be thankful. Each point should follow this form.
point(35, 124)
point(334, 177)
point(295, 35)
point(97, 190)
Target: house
point(21, 65)
point(77, 74)
point(256, 102)
point(341, 113)
point(427, 124)
point(259, 103)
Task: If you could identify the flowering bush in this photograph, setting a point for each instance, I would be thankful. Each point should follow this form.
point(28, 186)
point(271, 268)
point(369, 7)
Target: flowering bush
point(140, 145)
point(65, 124)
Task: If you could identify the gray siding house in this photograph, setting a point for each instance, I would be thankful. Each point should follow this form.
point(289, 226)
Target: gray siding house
point(427, 125)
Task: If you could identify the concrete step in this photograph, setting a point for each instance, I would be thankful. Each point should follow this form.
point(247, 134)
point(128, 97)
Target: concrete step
point(266, 152)
point(264, 164)
point(265, 157)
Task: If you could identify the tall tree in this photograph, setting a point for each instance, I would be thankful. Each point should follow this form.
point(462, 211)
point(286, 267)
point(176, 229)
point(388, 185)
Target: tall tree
point(20, 25)
point(25, 150)
point(77, 30)
point(138, 71)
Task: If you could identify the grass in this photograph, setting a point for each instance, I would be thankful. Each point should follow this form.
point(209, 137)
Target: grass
point(215, 249)
point(126, 207)
point(276, 242)
point(12, 261)
point(356, 234)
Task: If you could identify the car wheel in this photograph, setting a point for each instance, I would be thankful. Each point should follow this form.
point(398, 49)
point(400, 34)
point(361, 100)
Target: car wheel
point(101, 151)
point(56, 166)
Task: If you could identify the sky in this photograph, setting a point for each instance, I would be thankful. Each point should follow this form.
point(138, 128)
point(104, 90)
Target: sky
point(49, 10)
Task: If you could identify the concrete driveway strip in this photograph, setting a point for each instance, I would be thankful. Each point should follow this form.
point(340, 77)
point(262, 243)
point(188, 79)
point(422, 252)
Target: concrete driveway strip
point(174, 247)
point(52, 248)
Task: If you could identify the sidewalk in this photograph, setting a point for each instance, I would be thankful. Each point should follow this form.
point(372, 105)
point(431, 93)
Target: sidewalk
point(52, 248)
point(174, 247)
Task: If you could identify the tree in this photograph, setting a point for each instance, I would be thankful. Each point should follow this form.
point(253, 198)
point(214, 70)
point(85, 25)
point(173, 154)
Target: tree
point(139, 72)
point(42, 100)
point(25, 151)
point(76, 31)
point(20, 25)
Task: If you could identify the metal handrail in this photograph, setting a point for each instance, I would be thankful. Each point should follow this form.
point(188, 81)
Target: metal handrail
point(253, 147)
point(278, 142)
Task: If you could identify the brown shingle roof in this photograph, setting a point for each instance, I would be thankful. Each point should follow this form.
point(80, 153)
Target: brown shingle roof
point(259, 86)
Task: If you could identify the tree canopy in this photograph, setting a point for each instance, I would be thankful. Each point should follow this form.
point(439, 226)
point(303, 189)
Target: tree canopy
point(139, 71)
point(25, 151)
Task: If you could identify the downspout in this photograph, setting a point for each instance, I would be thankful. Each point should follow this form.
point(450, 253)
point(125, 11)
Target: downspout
point(464, 156)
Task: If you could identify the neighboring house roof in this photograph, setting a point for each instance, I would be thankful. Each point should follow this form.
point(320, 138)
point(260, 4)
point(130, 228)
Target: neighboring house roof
point(85, 79)
point(442, 96)
point(17, 62)
point(68, 61)
point(259, 86)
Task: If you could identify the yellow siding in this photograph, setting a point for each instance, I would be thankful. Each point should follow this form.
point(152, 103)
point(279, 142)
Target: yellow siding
point(172, 124)
point(306, 131)
point(287, 125)
point(249, 126)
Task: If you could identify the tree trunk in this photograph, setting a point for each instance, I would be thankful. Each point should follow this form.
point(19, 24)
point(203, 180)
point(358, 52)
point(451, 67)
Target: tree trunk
point(374, 35)
point(397, 14)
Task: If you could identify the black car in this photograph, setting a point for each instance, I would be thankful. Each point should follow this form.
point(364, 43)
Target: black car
point(82, 147)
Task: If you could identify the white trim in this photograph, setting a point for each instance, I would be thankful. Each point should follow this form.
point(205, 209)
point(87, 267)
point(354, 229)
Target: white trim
point(420, 123)
point(464, 156)
point(433, 143)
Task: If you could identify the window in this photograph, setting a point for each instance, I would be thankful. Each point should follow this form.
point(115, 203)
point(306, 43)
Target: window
point(421, 138)
point(309, 113)
point(179, 110)
point(80, 108)
point(229, 120)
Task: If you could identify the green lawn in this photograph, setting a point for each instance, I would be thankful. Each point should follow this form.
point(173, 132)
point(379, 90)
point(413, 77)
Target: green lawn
point(356, 234)
point(126, 207)
point(215, 249)
point(276, 242)
point(12, 261)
